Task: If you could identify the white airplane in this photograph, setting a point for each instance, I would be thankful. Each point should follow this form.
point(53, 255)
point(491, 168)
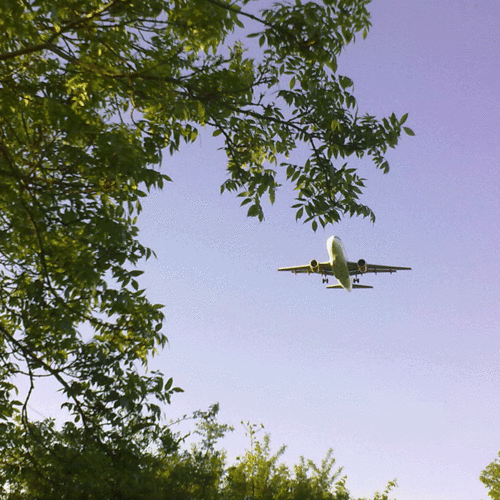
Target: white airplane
point(342, 269)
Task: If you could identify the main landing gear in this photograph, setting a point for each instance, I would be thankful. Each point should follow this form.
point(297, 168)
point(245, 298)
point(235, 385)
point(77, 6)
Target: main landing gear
point(324, 280)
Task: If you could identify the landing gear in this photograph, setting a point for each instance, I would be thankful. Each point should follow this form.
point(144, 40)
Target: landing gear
point(355, 280)
point(325, 280)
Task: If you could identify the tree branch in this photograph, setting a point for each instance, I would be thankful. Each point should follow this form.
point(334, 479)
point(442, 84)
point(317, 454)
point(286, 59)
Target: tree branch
point(29, 354)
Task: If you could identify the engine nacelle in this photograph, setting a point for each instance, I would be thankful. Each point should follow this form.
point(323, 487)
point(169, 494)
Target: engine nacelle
point(314, 265)
point(362, 266)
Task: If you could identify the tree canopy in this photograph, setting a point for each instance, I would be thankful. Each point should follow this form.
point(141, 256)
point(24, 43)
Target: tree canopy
point(93, 95)
point(176, 470)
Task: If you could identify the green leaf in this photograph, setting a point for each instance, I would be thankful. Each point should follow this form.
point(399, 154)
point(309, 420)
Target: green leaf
point(272, 196)
point(168, 384)
point(345, 82)
point(409, 131)
point(253, 211)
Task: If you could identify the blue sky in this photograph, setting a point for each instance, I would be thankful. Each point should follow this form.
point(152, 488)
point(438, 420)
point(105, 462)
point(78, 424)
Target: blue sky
point(401, 380)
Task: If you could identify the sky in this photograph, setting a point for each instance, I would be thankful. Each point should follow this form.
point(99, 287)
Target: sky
point(402, 381)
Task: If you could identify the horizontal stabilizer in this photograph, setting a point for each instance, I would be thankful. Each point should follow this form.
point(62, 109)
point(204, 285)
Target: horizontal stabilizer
point(354, 286)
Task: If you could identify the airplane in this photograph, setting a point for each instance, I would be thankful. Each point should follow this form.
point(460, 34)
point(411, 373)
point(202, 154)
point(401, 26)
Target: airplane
point(342, 269)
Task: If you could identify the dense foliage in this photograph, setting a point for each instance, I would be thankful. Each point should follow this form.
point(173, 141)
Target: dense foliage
point(92, 95)
point(67, 468)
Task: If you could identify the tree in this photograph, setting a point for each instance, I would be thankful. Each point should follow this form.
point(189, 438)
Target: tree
point(93, 94)
point(490, 477)
point(178, 472)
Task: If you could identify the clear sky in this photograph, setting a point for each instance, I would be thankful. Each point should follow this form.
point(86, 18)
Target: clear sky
point(402, 381)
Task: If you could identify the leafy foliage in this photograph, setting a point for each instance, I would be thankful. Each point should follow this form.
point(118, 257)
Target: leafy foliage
point(92, 95)
point(68, 468)
point(490, 477)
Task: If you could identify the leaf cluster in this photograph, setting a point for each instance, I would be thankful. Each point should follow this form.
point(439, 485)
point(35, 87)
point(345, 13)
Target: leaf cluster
point(490, 477)
point(300, 44)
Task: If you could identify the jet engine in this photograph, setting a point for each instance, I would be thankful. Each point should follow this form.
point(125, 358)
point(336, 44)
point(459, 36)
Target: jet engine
point(314, 265)
point(362, 266)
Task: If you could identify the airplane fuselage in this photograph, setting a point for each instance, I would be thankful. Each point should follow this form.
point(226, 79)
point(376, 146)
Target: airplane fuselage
point(338, 261)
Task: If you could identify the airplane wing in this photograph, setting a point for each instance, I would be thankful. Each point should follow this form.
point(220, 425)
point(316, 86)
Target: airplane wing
point(355, 269)
point(353, 286)
point(323, 268)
